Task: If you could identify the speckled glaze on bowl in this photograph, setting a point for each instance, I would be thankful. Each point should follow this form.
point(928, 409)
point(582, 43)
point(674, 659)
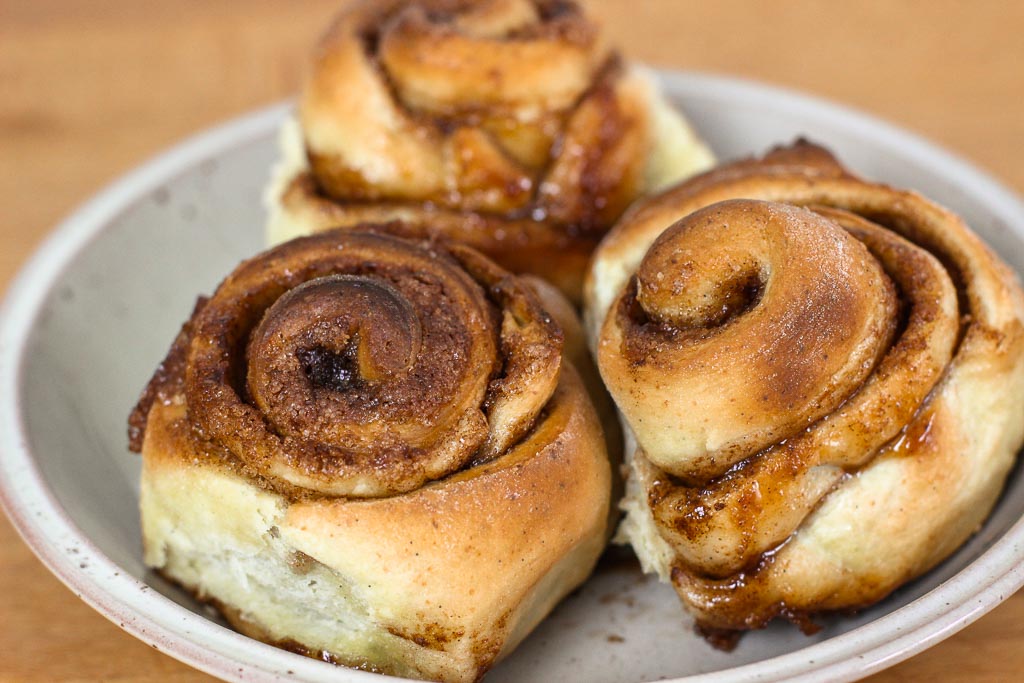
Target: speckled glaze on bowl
point(94, 311)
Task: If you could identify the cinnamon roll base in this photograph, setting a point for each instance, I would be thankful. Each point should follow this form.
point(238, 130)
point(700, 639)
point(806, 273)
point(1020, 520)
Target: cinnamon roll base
point(438, 583)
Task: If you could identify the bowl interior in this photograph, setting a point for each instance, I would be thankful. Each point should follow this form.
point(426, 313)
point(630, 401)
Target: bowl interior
point(110, 316)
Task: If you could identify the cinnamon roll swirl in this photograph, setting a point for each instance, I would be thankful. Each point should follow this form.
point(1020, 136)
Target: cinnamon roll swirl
point(508, 125)
point(370, 450)
point(822, 379)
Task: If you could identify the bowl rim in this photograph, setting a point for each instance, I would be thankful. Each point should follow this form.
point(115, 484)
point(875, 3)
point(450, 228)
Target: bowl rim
point(158, 621)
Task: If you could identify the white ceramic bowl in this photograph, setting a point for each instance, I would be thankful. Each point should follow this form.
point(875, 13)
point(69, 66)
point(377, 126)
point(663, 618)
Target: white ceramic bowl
point(95, 310)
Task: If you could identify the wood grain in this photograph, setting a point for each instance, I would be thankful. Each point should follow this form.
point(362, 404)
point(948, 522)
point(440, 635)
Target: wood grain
point(90, 89)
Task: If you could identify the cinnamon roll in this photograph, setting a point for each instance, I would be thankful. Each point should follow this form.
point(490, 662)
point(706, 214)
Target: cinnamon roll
point(822, 379)
point(370, 450)
point(508, 125)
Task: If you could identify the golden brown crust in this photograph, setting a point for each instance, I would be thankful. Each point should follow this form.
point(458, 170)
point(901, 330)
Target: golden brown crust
point(754, 300)
point(792, 418)
point(471, 97)
point(326, 338)
point(505, 124)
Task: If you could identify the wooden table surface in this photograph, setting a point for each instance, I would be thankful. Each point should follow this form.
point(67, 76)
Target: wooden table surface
point(90, 89)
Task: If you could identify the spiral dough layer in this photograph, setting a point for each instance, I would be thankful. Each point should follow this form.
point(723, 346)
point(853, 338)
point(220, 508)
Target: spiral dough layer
point(364, 365)
point(823, 378)
point(506, 124)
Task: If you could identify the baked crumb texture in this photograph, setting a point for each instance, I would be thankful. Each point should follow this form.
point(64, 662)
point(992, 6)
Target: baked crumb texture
point(821, 379)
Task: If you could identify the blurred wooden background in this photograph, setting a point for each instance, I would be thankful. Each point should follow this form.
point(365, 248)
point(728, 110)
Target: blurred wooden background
point(89, 89)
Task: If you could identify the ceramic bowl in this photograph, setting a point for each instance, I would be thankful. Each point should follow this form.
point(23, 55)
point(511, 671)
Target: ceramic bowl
point(95, 310)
